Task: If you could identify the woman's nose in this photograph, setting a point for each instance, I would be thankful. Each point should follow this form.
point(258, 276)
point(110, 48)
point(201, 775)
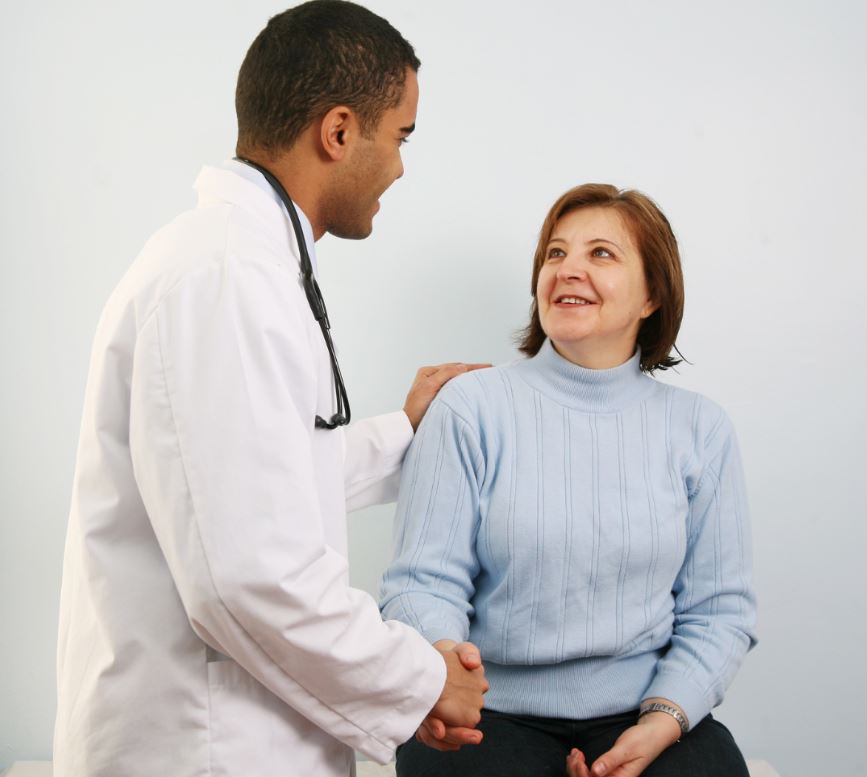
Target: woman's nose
point(572, 267)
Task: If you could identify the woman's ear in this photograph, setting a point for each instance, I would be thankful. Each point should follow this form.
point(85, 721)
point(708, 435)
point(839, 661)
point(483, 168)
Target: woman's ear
point(337, 131)
point(650, 307)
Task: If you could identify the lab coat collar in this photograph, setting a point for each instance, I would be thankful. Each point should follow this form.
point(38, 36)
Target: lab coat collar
point(239, 184)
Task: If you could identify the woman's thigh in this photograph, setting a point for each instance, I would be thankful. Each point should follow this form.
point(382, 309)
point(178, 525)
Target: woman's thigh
point(513, 746)
point(709, 750)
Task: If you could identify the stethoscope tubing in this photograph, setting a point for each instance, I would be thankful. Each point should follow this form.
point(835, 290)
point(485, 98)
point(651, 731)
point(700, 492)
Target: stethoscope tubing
point(314, 299)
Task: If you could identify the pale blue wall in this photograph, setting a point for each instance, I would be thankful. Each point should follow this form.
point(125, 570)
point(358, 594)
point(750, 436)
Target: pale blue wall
point(746, 120)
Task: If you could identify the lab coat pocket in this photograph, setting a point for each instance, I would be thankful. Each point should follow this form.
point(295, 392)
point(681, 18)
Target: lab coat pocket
point(250, 726)
point(240, 719)
point(229, 704)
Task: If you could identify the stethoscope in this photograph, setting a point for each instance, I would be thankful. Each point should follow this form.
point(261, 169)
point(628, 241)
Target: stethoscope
point(314, 299)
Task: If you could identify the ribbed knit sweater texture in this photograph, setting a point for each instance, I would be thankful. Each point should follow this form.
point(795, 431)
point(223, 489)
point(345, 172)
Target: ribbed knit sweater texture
point(587, 529)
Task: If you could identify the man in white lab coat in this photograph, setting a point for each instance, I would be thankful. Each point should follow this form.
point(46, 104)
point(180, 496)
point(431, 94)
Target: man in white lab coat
point(207, 626)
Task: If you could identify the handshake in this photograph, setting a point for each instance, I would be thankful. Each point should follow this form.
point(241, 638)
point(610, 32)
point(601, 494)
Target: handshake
point(452, 721)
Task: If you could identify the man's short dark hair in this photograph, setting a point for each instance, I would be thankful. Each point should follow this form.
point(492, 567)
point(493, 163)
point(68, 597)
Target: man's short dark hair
point(311, 58)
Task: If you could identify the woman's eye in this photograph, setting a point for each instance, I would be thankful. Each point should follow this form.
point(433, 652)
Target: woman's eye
point(403, 141)
point(556, 253)
point(602, 252)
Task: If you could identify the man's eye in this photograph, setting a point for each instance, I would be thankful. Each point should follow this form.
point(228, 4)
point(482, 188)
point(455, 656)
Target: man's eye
point(403, 141)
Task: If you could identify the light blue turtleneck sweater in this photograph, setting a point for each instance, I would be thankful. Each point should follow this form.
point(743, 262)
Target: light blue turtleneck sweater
point(587, 529)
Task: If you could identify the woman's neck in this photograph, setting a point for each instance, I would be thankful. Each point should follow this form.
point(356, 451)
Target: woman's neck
point(602, 356)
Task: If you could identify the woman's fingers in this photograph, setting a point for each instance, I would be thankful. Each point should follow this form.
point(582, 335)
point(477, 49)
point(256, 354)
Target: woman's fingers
point(622, 760)
point(634, 750)
point(576, 765)
point(469, 655)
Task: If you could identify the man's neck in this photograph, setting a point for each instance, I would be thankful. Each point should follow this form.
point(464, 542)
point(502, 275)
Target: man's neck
point(300, 176)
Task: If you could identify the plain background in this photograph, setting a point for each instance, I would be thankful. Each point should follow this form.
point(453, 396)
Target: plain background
point(745, 120)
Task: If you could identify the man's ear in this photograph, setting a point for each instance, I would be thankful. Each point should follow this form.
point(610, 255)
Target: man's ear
point(338, 131)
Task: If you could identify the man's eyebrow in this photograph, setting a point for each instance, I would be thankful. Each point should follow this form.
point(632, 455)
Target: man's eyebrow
point(407, 130)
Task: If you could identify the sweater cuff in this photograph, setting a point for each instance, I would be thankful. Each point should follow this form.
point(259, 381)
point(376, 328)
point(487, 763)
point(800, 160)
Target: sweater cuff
point(436, 633)
point(688, 696)
point(443, 627)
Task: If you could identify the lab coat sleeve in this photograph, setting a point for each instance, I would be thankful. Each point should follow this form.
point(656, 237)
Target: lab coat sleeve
point(714, 602)
point(221, 441)
point(375, 448)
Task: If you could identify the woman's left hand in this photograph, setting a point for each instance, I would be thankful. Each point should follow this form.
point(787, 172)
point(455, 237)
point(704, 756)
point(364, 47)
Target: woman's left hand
point(637, 747)
point(576, 766)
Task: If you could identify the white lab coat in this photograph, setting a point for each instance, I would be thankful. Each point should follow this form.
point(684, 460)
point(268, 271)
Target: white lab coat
point(207, 627)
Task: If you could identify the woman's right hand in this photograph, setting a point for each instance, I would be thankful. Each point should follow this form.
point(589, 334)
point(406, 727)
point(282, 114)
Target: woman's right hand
point(432, 731)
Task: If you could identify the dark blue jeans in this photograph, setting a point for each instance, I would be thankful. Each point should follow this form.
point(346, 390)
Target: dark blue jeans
point(525, 746)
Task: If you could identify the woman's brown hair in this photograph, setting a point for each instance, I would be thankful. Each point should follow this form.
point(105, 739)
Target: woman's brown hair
point(660, 257)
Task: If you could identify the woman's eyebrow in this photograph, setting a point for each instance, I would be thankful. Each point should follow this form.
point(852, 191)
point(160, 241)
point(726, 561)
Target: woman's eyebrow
point(604, 240)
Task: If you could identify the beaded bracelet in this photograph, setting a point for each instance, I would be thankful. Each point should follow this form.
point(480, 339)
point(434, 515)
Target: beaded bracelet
point(668, 709)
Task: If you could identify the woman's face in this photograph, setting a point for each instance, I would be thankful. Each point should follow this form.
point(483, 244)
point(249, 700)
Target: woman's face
point(592, 295)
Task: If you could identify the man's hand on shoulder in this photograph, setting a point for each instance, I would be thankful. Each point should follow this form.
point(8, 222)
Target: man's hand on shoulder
point(428, 381)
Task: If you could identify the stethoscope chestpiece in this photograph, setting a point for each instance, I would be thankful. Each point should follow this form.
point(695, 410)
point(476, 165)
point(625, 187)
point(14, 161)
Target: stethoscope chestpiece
point(338, 419)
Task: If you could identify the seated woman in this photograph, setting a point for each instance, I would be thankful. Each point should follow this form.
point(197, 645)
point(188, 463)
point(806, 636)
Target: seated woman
point(583, 524)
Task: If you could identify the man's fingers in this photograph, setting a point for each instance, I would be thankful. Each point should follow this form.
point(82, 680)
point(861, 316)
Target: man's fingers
point(458, 735)
point(434, 733)
point(442, 373)
point(439, 376)
point(455, 367)
point(435, 727)
point(435, 730)
point(428, 381)
point(423, 736)
point(464, 736)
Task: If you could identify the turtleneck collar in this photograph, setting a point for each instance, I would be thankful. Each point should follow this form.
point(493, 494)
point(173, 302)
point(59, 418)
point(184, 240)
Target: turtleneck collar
point(592, 391)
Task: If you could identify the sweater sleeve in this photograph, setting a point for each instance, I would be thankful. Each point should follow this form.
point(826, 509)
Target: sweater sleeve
point(714, 606)
point(430, 582)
